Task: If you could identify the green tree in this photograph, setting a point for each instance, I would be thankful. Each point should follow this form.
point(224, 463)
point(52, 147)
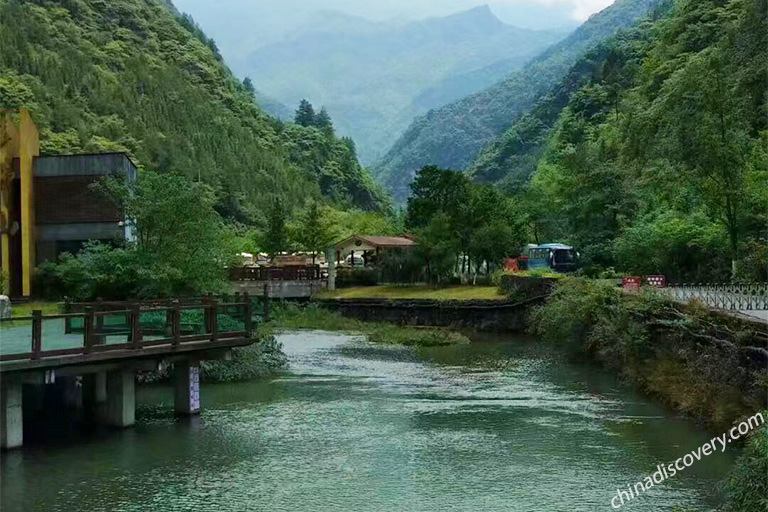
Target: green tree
point(305, 114)
point(436, 190)
point(705, 134)
point(324, 123)
point(276, 235)
point(248, 86)
point(437, 248)
point(181, 245)
point(313, 230)
point(175, 222)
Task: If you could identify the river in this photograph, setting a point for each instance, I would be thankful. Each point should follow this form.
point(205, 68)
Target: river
point(503, 424)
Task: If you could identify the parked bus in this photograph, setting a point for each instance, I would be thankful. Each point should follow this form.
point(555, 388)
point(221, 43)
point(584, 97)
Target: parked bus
point(558, 257)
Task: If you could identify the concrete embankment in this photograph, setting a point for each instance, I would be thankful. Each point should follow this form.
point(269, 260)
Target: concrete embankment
point(483, 315)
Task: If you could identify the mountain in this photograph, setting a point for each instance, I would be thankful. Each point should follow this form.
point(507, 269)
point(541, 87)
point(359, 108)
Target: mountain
point(452, 136)
point(375, 77)
point(511, 159)
point(273, 107)
point(137, 76)
point(651, 156)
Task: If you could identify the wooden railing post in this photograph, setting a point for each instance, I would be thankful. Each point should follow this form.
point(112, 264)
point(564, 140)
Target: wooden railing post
point(248, 315)
point(214, 306)
point(37, 333)
point(266, 303)
point(68, 320)
point(99, 328)
point(136, 326)
point(88, 323)
point(176, 323)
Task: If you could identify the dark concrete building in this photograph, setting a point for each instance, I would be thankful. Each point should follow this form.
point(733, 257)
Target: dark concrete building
point(68, 212)
point(47, 204)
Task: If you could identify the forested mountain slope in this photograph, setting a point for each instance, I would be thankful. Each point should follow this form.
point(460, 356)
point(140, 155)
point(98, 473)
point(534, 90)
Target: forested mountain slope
point(453, 135)
point(510, 159)
point(375, 77)
point(658, 164)
point(135, 75)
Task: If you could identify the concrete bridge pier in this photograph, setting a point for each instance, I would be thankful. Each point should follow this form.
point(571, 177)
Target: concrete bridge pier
point(11, 413)
point(186, 386)
point(120, 408)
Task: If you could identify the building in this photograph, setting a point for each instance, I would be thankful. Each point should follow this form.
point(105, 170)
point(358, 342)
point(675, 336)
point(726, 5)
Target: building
point(367, 250)
point(47, 206)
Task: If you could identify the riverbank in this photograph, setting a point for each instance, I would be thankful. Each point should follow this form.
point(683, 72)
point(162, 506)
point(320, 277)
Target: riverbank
point(293, 316)
point(463, 292)
point(712, 368)
point(707, 367)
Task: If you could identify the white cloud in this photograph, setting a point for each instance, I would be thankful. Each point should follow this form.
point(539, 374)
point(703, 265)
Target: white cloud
point(583, 9)
point(579, 10)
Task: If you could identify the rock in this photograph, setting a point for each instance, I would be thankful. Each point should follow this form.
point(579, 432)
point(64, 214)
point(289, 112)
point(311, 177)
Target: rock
point(5, 306)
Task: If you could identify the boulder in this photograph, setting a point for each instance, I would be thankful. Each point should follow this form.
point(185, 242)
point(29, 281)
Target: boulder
point(5, 306)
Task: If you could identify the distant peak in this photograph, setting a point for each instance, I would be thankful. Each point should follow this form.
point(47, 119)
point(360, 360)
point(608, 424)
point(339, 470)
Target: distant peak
point(480, 15)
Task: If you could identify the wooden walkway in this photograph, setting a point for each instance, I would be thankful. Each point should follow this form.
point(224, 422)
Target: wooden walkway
point(99, 332)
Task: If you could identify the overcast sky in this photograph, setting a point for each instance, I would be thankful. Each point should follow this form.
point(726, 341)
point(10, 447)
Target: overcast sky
point(576, 10)
point(241, 26)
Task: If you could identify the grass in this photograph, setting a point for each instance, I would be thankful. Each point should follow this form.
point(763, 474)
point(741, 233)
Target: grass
point(463, 292)
point(540, 272)
point(25, 310)
point(291, 316)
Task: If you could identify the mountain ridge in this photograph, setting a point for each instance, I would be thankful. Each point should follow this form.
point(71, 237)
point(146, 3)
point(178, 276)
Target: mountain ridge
point(370, 81)
point(451, 136)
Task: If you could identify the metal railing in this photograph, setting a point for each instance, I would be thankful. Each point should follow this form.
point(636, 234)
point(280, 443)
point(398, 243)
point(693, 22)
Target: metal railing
point(734, 297)
point(138, 323)
point(287, 273)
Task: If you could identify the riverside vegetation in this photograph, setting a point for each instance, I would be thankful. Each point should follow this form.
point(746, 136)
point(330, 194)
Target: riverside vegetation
point(704, 367)
point(293, 316)
point(645, 149)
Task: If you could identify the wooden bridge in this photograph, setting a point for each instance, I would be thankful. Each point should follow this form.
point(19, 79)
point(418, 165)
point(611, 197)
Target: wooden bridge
point(286, 282)
point(98, 348)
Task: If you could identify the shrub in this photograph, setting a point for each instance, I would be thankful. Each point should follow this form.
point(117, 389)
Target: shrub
point(746, 489)
point(573, 309)
point(683, 355)
point(351, 277)
point(251, 362)
point(182, 248)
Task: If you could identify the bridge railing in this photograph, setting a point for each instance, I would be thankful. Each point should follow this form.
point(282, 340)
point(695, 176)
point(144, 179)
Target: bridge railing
point(734, 297)
point(287, 273)
point(133, 326)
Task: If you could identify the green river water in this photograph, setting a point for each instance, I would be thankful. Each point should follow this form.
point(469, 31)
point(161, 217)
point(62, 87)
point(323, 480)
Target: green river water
point(502, 424)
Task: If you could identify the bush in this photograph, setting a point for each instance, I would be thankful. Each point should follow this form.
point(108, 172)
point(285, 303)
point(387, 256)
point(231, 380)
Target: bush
point(351, 277)
point(573, 310)
point(401, 267)
point(182, 248)
point(746, 489)
point(523, 286)
point(683, 355)
point(252, 362)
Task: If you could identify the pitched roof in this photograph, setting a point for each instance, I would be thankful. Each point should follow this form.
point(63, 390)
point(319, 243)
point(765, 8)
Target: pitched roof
point(382, 241)
point(388, 241)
